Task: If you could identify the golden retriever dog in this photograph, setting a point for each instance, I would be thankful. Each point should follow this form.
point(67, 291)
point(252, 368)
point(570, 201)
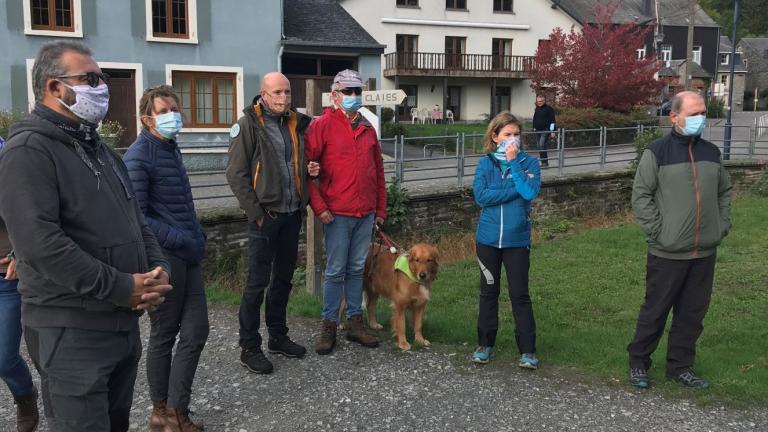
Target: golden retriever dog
point(412, 292)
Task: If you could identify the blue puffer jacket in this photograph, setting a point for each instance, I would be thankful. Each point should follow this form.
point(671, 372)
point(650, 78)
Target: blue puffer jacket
point(505, 199)
point(162, 188)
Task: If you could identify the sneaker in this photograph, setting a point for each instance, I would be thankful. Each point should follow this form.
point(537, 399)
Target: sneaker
point(285, 346)
point(255, 361)
point(638, 377)
point(528, 361)
point(482, 355)
point(688, 378)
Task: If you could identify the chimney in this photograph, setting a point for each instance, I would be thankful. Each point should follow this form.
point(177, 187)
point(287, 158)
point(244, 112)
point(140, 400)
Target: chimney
point(648, 8)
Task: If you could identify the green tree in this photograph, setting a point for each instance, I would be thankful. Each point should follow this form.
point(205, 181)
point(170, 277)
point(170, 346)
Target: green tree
point(754, 16)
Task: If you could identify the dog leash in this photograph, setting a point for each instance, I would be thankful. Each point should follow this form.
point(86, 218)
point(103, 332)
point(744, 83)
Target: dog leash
point(380, 237)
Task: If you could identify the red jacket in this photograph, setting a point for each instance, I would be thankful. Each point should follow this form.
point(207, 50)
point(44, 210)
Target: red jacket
point(351, 181)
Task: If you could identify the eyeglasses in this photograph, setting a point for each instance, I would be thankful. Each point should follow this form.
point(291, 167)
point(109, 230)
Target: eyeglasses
point(92, 78)
point(352, 90)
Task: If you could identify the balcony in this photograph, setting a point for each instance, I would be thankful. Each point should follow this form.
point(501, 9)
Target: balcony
point(420, 64)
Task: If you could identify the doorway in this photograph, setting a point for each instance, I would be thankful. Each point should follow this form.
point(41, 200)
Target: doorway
point(454, 101)
point(122, 102)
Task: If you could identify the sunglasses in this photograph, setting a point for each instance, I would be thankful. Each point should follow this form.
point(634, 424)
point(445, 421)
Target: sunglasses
point(350, 91)
point(92, 78)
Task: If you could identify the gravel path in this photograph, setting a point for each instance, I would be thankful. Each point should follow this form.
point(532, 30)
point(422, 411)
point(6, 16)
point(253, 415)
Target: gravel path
point(360, 389)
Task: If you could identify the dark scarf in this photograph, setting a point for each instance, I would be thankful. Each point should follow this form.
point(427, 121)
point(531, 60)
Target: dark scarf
point(84, 135)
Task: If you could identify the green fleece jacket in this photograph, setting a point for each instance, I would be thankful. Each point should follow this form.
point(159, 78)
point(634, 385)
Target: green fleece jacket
point(681, 197)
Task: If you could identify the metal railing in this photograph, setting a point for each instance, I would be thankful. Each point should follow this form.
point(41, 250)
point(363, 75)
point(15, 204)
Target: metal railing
point(449, 61)
point(452, 159)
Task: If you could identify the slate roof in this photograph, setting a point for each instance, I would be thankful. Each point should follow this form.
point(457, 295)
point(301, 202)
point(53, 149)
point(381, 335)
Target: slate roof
point(673, 12)
point(324, 23)
point(760, 45)
point(727, 48)
point(696, 70)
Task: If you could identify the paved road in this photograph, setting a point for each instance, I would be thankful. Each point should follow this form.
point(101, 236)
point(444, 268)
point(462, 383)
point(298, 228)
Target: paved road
point(361, 389)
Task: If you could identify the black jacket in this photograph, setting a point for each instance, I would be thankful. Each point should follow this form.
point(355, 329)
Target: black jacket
point(543, 116)
point(77, 230)
point(253, 170)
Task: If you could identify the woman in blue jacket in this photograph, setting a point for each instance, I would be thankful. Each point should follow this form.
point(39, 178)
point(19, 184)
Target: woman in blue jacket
point(162, 188)
point(506, 181)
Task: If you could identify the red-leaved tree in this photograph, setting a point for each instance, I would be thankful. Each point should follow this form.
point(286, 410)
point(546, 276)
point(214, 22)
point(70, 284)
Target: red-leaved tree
point(598, 66)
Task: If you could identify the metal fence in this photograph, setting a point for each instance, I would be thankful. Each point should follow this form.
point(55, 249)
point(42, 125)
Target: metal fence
point(452, 159)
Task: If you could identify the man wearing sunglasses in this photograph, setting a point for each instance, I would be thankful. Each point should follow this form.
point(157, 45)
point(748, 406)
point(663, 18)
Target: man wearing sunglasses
point(87, 262)
point(350, 195)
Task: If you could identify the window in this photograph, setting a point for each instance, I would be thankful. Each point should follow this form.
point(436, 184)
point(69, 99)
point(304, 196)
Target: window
point(407, 47)
point(501, 51)
point(406, 3)
point(211, 96)
point(666, 53)
point(725, 59)
point(456, 4)
point(697, 54)
point(52, 18)
point(172, 21)
point(640, 53)
point(455, 47)
point(502, 5)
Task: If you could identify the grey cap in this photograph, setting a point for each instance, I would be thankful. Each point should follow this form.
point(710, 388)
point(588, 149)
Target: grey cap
point(348, 78)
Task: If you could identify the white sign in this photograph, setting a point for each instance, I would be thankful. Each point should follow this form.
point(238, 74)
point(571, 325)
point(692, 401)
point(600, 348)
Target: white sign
point(380, 97)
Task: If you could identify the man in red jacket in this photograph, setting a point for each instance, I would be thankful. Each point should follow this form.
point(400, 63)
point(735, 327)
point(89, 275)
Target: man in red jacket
point(349, 195)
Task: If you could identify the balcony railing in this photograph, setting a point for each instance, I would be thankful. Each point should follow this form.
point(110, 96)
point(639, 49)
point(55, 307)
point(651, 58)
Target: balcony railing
point(421, 63)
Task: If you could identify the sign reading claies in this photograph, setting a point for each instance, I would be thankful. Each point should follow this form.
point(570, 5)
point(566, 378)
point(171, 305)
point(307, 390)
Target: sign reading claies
point(380, 97)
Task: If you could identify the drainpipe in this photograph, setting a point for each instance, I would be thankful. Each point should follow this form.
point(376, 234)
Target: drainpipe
point(282, 37)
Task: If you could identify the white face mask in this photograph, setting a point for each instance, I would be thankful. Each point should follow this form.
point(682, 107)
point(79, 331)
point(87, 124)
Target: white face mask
point(91, 103)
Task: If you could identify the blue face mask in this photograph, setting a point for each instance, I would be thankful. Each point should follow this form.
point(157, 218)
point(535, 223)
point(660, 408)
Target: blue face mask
point(351, 103)
point(169, 124)
point(501, 150)
point(694, 125)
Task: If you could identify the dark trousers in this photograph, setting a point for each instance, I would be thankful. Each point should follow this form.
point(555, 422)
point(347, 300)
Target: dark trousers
point(87, 376)
point(272, 251)
point(685, 287)
point(184, 313)
point(516, 263)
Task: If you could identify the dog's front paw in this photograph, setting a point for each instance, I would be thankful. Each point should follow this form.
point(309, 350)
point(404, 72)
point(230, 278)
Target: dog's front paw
point(405, 346)
point(423, 342)
point(375, 326)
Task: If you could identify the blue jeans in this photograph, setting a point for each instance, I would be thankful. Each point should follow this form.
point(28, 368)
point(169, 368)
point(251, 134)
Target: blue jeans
point(541, 141)
point(13, 369)
point(346, 247)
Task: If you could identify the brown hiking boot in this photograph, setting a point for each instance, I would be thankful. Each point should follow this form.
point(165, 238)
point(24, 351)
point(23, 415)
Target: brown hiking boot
point(327, 338)
point(27, 416)
point(356, 332)
point(177, 420)
point(157, 418)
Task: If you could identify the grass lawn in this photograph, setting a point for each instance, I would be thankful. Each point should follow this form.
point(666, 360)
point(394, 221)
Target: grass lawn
point(587, 289)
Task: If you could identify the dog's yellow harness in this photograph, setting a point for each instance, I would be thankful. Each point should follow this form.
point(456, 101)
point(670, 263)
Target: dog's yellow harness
point(401, 264)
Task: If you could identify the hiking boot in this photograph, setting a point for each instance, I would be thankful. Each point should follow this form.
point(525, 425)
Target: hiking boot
point(482, 355)
point(688, 378)
point(177, 420)
point(327, 338)
point(157, 418)
point(254, 360)
point(356, 332)
point(285, 346)
point(638, 377)
point(27, 416)
point(528, 361)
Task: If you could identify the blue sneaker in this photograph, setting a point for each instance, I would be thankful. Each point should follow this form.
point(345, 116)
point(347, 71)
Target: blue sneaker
point(528, 361)
point(482, 355)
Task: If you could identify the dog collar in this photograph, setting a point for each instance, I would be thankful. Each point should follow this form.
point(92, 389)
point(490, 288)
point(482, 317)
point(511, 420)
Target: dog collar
point(401, 264)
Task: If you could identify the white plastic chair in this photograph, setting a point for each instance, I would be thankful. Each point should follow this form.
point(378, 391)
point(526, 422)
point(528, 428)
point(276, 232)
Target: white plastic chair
point(414, 115)
point(449, 116)
point(425, 115)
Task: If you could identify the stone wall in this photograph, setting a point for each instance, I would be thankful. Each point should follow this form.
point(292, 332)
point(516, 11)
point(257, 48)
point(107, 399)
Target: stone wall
point(453, 208)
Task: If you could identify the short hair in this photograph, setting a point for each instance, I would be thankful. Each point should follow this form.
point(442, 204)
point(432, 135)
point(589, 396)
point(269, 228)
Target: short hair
point(678, 99)
point(502, 120)
point(48, 63)
point(147, 101)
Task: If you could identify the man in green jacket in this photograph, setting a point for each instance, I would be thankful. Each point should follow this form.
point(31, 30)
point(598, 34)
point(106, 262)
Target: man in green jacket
point(682, 200)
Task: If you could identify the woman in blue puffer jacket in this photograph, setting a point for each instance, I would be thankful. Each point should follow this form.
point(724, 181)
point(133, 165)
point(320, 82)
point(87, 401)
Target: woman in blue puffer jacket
point(506, 181)
point(163, 191)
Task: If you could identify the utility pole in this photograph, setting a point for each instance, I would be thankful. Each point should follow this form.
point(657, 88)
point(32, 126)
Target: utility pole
point(728, 124)
point(689, 49)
